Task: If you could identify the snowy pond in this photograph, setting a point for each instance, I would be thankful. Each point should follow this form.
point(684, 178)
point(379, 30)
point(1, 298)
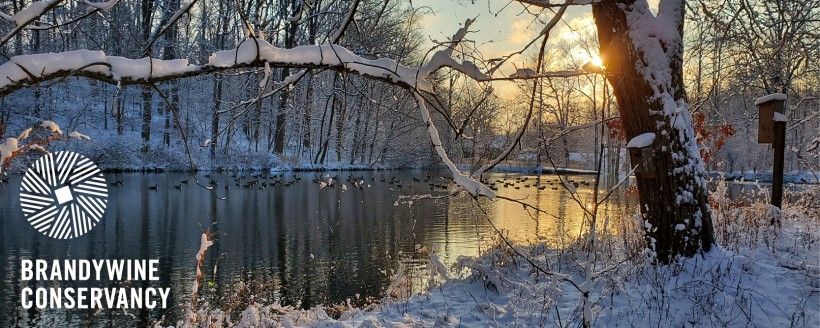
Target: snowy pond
point(283, 238)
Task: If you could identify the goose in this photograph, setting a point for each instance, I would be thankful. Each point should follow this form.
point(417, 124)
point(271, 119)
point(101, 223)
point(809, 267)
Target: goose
point(154, 187)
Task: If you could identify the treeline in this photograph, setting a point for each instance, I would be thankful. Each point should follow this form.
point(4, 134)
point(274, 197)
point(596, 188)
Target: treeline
point(325, 118)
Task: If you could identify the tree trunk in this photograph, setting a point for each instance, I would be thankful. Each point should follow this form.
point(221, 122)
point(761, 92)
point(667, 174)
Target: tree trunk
point(146, 118)
point(147, 9)
point(647, 79)
point(279, 143)
point(118, 108)
point(312, 30)
point(170, 52)
point(217, 96)
point(340, 123)
point(290, 38)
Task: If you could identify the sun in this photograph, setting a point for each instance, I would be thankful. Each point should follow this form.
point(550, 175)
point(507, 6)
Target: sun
point(591, 62)
point(587, 58)
point(596, 60)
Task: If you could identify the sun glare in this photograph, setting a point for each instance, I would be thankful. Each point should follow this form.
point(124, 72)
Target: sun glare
point(596, 60)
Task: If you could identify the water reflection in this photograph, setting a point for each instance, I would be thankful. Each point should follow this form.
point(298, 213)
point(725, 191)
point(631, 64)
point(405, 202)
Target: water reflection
point(292, 243)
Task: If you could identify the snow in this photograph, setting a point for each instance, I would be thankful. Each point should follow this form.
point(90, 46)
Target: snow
point(51, 126)
point(7, 148)
point(78, 136)
point(768, 98)
point(641, 141)
point(24, 135)
point(523, 73)
point(38, 148)
point(102, 5)
point(32, 11)
point(18, 68)
point(146, 68)
point(469, 184)
point(251, 50)
point(437, 266)
point(779, 117)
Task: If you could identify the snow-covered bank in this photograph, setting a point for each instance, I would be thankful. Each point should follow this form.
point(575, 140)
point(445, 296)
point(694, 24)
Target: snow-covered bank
point(125, 154)
point(759, 275)
point(788, 177)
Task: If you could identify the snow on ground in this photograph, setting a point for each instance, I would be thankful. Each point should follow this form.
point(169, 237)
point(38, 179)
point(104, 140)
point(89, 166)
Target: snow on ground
point(807, 177)
point(760, 275)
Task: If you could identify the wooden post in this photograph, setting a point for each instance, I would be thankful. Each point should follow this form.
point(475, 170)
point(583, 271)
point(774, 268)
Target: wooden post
point(779, 147)
point(772, 129)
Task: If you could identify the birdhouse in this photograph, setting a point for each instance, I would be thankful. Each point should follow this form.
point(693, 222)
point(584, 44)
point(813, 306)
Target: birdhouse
point(641, 153)
point(766, 107)
point(643, 159)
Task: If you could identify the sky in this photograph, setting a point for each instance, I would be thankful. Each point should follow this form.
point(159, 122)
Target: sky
point(502, 27)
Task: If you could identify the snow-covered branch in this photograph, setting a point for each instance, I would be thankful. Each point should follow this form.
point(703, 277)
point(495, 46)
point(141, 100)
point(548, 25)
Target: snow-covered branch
point(25, 70)
point(26, 16)
point(185, 8)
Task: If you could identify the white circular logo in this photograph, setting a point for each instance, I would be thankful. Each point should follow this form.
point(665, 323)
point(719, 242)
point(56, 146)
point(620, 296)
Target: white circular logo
point(63, 195)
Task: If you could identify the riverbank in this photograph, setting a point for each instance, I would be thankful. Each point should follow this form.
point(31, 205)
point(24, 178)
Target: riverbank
point(758, 274)
point(789, 177)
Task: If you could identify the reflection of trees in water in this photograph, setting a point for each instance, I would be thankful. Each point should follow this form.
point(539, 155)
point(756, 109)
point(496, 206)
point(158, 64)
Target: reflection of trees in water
point(297, 245)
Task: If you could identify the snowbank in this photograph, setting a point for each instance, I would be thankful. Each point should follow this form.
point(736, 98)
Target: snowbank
point(789, 177)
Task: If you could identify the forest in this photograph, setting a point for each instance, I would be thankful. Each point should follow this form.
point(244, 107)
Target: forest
point(604, 162)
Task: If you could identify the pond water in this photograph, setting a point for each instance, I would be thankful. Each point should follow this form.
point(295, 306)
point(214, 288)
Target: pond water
point(284, 238)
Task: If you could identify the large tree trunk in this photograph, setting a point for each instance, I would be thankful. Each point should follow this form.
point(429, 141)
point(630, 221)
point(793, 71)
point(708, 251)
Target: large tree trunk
point(643, 61)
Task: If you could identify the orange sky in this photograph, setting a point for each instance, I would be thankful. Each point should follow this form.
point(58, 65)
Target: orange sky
point(503, 27)
point(500, 31)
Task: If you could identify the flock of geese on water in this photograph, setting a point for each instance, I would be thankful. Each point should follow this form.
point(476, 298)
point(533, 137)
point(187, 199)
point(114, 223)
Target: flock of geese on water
point(265, 180)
